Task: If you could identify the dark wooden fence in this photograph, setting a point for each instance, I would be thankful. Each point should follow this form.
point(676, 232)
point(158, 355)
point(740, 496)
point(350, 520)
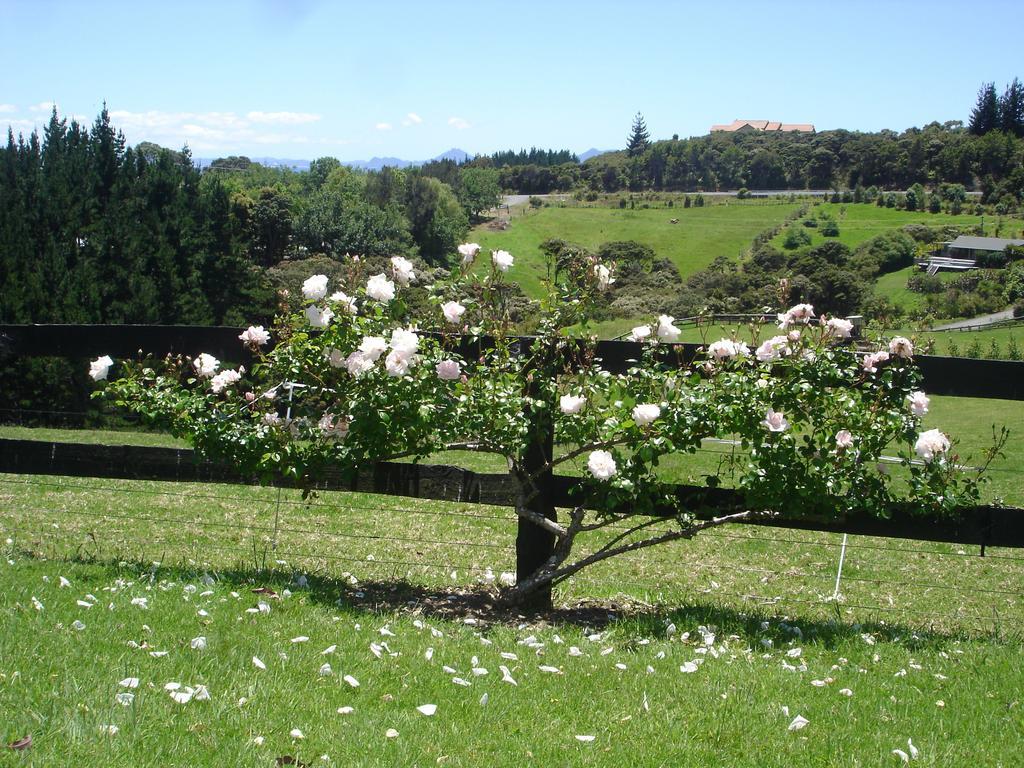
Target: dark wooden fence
point(984, 526)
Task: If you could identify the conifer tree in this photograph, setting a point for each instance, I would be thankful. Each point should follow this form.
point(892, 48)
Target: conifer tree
point(1011, 109)
point(639, 138)
point(985, 115)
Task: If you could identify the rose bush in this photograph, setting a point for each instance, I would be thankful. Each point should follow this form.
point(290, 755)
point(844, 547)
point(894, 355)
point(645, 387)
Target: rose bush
point(812, 416)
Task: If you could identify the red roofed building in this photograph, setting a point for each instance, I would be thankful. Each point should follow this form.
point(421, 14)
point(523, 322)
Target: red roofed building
point(742, 126)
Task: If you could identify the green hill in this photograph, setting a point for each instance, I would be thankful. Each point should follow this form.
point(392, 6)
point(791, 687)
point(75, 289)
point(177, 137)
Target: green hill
point(702, 234)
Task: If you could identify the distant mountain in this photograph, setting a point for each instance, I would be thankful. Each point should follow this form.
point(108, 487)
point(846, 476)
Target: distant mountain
point(373, 164)
point(584, 156)
point(269, 162)
point(376, 163)
point(457, 155)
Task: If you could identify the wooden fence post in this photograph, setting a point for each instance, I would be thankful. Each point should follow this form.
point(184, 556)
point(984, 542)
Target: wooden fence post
point(534, 545)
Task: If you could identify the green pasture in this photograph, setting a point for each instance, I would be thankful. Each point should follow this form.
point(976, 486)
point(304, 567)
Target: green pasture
point(923, 642)
point(859, 222)
point(702, 234)
point(893, 286)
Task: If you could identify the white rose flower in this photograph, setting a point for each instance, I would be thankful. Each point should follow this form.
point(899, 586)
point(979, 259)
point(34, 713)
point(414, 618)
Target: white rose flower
point(405, 342)
point(319, 317)
point(453, 311)
point(640, 333)
point(801, 313)
point(502, 260)
point(571, 404)
point(223, 380)
point(666, 330)
point(725, 349)
point(333, 426)
point(872, 361)
point(380, 288)
point(774, 421)
point(645, 413)
point(206, 365)
point(335, 357)
point(601, 465)
point(402, 269)
point(931, 444)
point(449, 370)
point(315, 287)
point(844, 439)
point(373, 347)
point(359, 363)
point(901, 347)
point(468, 252)
point(918, 403)
point(348, 303)
point(398, 363)
point(100, 367)
point(773, 349)
point(604, 276)
point(839, 328)
point(254, 336)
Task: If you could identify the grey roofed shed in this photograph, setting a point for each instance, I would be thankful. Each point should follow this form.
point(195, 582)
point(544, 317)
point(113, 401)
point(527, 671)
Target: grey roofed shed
point(972, 243)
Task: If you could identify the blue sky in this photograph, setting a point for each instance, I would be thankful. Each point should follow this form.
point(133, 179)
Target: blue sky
point(308, 78)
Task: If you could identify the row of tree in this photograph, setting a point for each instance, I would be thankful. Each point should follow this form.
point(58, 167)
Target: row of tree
point(935, 154)
point(95, 231)
point(999, 113)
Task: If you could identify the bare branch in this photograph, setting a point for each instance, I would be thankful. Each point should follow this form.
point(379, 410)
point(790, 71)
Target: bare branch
point(552, 574)
point(538, 519)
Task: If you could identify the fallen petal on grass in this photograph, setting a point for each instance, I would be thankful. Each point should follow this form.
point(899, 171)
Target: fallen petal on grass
point(798, 722)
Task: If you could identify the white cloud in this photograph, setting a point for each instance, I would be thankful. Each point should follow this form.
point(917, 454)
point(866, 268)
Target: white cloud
point(458, 123)
point(21, 126)
point(8, 108)
point(383, 126)
point(284, 118)
point(44, 106)
point(210, 132)
point(412, 119)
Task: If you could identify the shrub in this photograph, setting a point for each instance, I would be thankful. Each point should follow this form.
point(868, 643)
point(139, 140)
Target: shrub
point(365, 398)
point(1012, 350)
point(795, 238)
point(925, 283)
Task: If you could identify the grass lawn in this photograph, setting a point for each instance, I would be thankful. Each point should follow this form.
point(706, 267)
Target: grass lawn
point(859, 222)
point(694, 653)
point(957, 343)
point(893, 286)
point(924, 643)
point(701, 235)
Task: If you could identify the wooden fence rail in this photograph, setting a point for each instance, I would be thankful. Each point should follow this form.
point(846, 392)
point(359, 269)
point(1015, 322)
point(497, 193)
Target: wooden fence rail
point(985, 526)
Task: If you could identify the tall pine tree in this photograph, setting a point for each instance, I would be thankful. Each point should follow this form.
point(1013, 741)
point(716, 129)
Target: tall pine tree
point(985, 115)
point(639, 139)
point(1011, 109)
